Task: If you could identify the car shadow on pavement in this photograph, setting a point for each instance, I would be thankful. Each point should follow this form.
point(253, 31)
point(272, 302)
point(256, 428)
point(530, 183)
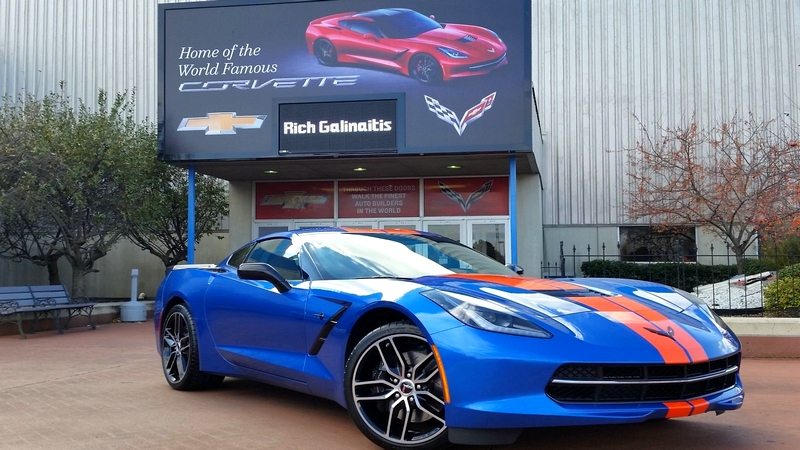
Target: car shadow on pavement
point(685, 433)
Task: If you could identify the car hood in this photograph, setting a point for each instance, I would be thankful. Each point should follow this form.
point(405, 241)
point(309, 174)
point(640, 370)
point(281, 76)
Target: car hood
point(462, 40)
point(605, 312)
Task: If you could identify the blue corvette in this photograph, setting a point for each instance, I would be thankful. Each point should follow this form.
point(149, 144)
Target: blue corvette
point(426, 341)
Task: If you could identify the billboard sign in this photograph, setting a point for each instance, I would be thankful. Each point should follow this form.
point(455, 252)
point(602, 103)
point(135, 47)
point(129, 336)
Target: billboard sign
point(457, 73)
point(378, 198)
point(479, 196)
point(294, 200)
point(338, 127)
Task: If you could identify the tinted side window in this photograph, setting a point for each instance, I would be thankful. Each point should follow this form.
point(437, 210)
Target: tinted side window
point(279, 253)
point(361, 27)
point(238, 256)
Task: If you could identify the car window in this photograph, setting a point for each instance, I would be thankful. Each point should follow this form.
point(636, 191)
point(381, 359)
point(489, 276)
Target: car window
point(238, 256)
point(279, 253)
point(369, 255)
point(361, 27)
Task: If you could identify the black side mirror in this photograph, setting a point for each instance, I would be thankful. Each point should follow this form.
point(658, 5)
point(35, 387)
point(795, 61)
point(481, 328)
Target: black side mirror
point(517, 269)
point(263, 272)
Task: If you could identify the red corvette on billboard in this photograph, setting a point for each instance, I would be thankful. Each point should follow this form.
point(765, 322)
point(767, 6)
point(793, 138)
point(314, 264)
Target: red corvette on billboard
point(405, 41)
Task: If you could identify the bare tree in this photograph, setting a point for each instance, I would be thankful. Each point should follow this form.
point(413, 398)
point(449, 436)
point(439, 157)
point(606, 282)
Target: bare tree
point(156, 219)
point(739, 179)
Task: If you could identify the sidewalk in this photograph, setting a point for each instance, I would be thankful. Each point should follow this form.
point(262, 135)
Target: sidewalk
point(104, 389)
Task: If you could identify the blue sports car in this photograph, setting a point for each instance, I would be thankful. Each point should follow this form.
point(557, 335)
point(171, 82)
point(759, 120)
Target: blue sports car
point(426, 341)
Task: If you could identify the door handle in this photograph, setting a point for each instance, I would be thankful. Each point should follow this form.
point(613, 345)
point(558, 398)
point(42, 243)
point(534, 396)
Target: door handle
point(320, 316)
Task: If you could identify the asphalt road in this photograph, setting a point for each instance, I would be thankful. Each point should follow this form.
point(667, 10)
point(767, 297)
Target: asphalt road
point(104, 389)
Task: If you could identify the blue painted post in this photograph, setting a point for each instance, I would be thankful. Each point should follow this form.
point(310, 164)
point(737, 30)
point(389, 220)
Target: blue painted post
point(190, 225)
point(512, 205)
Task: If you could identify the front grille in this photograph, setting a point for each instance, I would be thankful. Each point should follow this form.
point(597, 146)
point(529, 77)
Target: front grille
point(489, 64)
point(611, 383)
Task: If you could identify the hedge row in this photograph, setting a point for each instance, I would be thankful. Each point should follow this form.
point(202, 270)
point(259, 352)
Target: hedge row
point(676, 274)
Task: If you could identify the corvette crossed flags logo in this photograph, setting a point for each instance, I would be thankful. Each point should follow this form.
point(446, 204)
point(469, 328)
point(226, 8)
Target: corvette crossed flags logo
point(471, 115)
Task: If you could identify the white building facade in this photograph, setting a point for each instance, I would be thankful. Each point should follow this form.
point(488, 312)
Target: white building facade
point(597, 66)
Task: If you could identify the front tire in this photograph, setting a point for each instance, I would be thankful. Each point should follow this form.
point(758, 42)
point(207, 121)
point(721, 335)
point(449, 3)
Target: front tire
point(325, 52)
point(394, 389)
point(180, 354)
point(425, 69)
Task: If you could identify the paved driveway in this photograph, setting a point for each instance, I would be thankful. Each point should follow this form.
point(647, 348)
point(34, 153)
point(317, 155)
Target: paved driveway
point(104, 389)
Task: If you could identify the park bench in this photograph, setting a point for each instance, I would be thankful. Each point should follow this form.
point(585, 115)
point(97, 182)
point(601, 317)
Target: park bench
point(40, 302)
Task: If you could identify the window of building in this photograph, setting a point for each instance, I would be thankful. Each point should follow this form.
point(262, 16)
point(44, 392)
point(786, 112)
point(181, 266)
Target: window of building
point(648, 243)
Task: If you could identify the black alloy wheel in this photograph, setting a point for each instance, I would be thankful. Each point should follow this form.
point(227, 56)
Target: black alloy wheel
point(425, 69)
point(394, 389)
point(179, 353)
point(325, 52)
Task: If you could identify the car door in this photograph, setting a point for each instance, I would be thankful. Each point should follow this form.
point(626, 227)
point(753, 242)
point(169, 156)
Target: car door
point(363, 40)
point(252, 324)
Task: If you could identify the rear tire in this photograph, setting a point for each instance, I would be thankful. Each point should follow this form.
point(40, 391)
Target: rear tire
point(394, 389)
point(180, 354)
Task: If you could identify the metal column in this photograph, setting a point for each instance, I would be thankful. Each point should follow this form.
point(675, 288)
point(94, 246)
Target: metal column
point(190, 225)
point(512, 206)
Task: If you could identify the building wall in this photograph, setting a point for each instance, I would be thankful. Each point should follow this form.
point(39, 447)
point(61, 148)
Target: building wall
point(88, 44)
point(112, 279)
point(596, 66)
point(529, 224)
point(602, 64)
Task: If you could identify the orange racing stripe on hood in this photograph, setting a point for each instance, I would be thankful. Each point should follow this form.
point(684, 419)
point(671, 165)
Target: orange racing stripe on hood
point(686, 340)
point(651, 318)
point(670, 351)
point(536, 284)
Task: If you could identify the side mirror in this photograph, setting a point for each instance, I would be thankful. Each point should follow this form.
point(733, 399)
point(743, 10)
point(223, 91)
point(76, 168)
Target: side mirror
point(517, 269)
point(371, 37)
point(263, 272)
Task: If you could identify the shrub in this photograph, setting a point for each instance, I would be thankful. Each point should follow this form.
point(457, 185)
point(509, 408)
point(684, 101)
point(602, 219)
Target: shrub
point(680, 275)
point(790, 271)
point(754, 266)
point(783, 293)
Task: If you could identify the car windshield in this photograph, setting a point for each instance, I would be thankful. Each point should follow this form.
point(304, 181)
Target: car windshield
point(340, 256)
point(405, 25)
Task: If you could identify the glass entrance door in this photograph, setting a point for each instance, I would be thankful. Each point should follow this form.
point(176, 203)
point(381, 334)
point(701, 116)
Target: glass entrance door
point(399, 224)
point(489, 238)
point(454, 229)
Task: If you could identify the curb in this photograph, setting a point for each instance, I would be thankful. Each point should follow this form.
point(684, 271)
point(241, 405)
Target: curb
point(767, 337)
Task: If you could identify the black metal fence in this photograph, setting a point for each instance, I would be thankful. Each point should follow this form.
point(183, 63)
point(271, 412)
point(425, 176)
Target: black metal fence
point(713, 276)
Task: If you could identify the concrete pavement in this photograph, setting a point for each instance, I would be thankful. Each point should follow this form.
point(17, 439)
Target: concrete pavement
point(104, 389)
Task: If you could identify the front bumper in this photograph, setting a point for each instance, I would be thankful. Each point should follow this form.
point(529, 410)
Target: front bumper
point(453, 68)
point(498, 382)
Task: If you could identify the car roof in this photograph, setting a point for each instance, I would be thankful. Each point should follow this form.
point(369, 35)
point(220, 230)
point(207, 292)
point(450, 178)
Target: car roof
point(397, 232)
point(383, 12)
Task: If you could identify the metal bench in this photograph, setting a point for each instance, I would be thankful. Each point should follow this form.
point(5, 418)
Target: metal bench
point(41, 302)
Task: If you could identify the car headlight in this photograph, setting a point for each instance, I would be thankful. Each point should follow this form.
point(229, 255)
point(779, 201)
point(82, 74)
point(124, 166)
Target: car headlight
point(704, 306)
point(451, 52)
point(485, 314)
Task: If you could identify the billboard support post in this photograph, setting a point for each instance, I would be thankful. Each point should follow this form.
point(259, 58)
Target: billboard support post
point(512, 205)
point(190, 231)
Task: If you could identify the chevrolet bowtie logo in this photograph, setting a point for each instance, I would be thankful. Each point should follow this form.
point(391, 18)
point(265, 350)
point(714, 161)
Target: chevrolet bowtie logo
point(221, 123)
